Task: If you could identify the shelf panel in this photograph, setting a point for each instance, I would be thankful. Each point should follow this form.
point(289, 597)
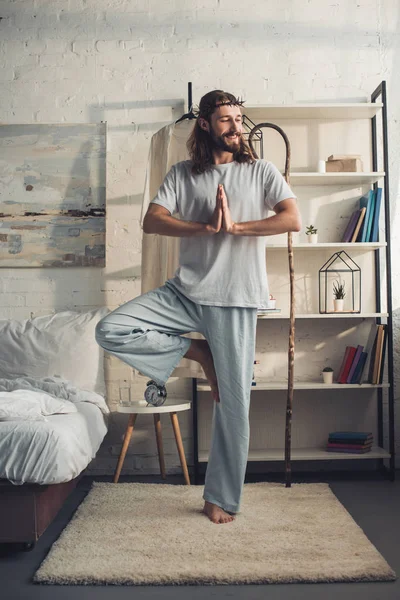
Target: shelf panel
point(309, 246)
point(354, 179)
point(202, 385)
point(356, 110)
point(325, 316)
point(306, 454)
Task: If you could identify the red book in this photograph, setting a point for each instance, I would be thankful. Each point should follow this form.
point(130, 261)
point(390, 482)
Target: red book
point(345, 450)
point(347, 365)
point(346, 353)
point(349, 446)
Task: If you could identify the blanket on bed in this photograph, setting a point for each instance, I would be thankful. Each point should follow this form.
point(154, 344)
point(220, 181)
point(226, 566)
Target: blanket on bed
point(26, 405)
point(39, 444)
point(54, 387)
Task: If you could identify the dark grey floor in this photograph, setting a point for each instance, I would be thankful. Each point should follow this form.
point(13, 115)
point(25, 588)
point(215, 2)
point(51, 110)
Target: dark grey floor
point(373, 502)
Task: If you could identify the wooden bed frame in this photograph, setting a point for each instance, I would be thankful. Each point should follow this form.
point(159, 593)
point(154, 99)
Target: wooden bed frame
point(27, 510)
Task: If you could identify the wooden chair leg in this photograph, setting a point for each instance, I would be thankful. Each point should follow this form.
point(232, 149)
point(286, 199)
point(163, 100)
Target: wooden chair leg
point(178, 438)
point(161, 460)
point(127, 439)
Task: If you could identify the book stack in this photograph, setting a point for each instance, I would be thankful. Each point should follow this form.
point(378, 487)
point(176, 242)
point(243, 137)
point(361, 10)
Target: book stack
point(354, 442)
point(267, 311)
point(363, 225)
point(358, 360)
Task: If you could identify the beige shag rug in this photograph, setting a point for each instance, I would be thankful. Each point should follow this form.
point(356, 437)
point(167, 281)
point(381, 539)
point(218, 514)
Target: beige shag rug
point(156, 534)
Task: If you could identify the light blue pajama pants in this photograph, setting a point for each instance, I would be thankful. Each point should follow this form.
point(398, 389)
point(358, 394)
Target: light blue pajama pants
point(146, 333)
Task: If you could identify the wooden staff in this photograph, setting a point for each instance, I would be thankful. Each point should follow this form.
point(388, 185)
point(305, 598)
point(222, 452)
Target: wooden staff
point(289, 403)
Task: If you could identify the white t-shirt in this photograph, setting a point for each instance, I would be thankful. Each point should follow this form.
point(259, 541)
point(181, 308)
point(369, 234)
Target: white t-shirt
point(223, 269)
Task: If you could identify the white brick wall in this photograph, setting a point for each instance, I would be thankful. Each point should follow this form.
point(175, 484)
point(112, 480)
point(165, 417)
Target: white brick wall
point(128, 62)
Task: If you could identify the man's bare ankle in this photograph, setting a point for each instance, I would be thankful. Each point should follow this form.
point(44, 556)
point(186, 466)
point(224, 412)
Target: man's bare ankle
point(217, 514)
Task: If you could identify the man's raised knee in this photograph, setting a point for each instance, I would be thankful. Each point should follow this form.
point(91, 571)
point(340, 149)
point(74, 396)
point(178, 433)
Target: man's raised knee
point(102, 328)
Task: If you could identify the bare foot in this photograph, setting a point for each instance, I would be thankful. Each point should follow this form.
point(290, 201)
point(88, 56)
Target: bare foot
point(200, 351)
point(216, 514)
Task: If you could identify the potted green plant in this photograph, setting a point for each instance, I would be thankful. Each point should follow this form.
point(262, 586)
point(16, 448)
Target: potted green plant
point(312, 234)
point(338, 296)
point(327, 375)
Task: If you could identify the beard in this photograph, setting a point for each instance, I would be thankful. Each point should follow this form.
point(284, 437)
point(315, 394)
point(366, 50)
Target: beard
point(222, 142)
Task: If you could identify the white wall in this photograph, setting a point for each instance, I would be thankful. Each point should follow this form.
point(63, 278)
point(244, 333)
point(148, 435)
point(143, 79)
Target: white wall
point(128, 63)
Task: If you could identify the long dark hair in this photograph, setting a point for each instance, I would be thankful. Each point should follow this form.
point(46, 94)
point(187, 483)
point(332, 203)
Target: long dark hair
point(200, 144)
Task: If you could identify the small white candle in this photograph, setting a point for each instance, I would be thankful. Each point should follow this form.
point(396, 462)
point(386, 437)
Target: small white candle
point(321, 166)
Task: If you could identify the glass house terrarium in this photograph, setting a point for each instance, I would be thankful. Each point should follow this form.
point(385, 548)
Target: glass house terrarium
point(339, 279)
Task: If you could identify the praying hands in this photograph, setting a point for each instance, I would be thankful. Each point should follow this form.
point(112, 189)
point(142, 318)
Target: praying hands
point(227, 222)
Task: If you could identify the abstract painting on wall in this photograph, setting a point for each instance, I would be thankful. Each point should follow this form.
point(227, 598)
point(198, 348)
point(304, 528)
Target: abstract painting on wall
point(52, 195)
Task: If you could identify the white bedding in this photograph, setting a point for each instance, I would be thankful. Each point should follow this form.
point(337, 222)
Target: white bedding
point(32, 405)
point(58, 448)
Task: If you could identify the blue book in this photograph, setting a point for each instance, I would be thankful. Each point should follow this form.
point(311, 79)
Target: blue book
point(358, 435)
point(351, 226)
point(370, 217)
point(359, 368)
point(367, 202)
point(375, 220)
point(356, 358)
point(369, 349)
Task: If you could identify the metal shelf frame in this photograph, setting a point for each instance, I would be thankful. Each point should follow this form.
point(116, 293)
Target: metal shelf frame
point(380, 92)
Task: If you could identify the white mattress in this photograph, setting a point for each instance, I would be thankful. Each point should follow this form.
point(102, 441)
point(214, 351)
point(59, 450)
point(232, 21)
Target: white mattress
point(51, 451)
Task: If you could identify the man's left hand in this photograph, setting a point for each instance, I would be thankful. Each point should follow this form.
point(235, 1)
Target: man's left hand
point(227, 224)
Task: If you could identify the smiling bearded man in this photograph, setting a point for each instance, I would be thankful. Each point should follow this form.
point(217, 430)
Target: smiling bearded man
point(223, 195)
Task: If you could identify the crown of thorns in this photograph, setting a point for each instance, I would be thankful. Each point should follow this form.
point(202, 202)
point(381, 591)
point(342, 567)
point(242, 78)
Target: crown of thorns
point(209, 107)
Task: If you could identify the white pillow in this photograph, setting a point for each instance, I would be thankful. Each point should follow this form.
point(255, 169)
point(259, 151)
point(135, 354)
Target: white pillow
point(62, 344)
point(28, 405)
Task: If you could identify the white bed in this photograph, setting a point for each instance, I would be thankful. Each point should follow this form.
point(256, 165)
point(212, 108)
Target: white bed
point(50, 364)
point(53, 416)
point(54, 450)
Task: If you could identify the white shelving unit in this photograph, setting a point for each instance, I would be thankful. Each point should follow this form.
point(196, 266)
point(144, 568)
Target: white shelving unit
point(354, 246)
point(202, 385)
point(332, 315)
point(334, 116)
point(278, 454)
point(353, 179)
point(351, 111)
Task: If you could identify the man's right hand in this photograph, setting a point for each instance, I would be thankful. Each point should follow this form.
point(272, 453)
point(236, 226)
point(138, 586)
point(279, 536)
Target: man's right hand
point(215, 224)
point(159, 220)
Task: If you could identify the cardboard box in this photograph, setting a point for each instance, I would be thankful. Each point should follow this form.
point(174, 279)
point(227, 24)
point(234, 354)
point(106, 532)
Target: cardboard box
point(343, 156)
point(348, 165)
